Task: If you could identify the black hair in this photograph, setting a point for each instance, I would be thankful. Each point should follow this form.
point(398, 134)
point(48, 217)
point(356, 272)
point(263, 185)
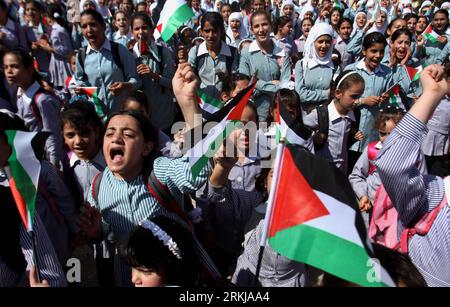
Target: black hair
point(149, 132)
point(27, 61)
point(307, 19)
point(291, 101)
point(399, 32)
point(345, 19)
point(388, 113)
point(410, 16)
point(37, 4)
point(259, 13)
point(349, 81)
point(280, 22)
point(391, 24)
point(142, 16)
point(140, 98)
point(229, 80)
point(82, 116)
point(10, 220)
point(446, 65)
point(225, 4)
point(96, 15)
point(145, 251)
point(55, 9)
point(441, 11)
point(340, 14)
point(373, 38)
point(3, 5)
point(214, 19)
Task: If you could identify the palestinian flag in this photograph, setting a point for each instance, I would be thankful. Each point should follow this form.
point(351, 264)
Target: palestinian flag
point(227, 119)
point(430, 34)
point(109, 16)
point(413, 72)
point(293, 131)
point(315, 220)
point(140, 48)
point(337, 4)
point(92, 93)
point(209, 105)
point(394, 95)
point(173, 15)
point(23, 170)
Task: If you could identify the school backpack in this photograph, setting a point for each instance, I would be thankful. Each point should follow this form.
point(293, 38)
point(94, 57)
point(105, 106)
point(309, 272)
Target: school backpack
point(383, 227)
point(34, 105)
point(163, 196)
point(81, 57)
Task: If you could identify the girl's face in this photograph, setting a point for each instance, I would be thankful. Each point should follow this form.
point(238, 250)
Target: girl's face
point(381, 19)
point(261, 28)
point(411, 24)
point(32, 13)
point(286, 29)
point(402, 44)
point(124, 147)
point(83, 143)
point(240, 85)
point(212, 35)
point(345, 30)
point(235, 24)
point(141, 30)
point(308, 15)
point(141, 278)
point(287, 10)
point(361, 20)
point(306, 26)
point(322, 45)
point(134, 105)
point(349, 97)
point(73, 62)
point(89, 5)
point(195, 4)
point(93, 30)
point(386, 130)
point(421, 25)
point(225, 11)
point(121, 22)
point(385, 3)
point(398, 24)
point(15, 71)
point(258, 5)
point(373, 55)
point(440, 22)
point(335, 18)
point(127, 6)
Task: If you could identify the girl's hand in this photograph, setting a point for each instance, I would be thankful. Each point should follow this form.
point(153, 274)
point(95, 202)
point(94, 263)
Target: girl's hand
point(371, 100)
point(368, 25)
point(442, 39)
point(89, 221)
point(78, 91)
point(407, 57)
point(359, 136)
point(364, 203)
point(116, 88)
point(276, 82)
point(143, 70)
point(393, 58)
point(33, 279)
point(420, 41)
point(384, 98)
point(182, 55)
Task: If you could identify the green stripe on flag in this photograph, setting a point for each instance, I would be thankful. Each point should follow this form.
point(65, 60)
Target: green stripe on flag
point(97, 104)
point(178, 17)
point(23, 181)
point(209, 100)
point(327, 252)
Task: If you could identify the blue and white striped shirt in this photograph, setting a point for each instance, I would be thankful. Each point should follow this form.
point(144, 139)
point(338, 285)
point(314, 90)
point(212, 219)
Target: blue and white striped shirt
point(414, 194)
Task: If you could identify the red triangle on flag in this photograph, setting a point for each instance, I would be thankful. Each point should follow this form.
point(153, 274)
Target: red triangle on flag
point(429, 29)
point(411, 71)
point(295, 201)
point(89, 90)
point(394, 90)
point(159, 28)
point(143, 47)
point(236, 113)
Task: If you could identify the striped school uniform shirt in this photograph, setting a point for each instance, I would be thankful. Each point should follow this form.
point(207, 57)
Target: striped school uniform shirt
point(414, 194)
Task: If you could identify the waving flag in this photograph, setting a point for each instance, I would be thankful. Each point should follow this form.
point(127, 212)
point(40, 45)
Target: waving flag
point(208, 104)
point(92, 93)
point(337, 4)
point(23, 170)
point(430, 34)
point(413, 72)
point(315, 220)
point(141, 47)
point(394, 95)
point(173, 15)
point(227, 118)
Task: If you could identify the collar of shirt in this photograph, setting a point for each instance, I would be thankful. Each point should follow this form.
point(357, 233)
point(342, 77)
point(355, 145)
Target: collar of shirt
point(29, 93)
point(247, 161)
point(224, 49)
point(334, 114)
point(362, 65)
point(277, 50)
point(311, 63)
point(98, 159)
point(339, 40)
point(379, 145)
point(106, 45)
point(117, 35)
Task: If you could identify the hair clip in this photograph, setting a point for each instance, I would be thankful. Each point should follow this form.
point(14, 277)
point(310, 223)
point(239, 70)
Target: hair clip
point(163, 237)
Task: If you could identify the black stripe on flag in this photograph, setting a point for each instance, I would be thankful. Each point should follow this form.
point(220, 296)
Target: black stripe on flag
point(296, 126)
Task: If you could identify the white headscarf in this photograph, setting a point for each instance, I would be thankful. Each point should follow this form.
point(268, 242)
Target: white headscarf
point(383, 28)
point(216, 8)
point(307, 8)
point(285, 3)
point(102, 9)
point(424, 4)
point(355, 25)
point(242, 30)
point(310, 53)
point(82, 2)
point(445, 5)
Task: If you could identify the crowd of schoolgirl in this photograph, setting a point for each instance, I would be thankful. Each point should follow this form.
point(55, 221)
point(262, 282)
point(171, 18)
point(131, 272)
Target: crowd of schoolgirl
point(115, 187)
